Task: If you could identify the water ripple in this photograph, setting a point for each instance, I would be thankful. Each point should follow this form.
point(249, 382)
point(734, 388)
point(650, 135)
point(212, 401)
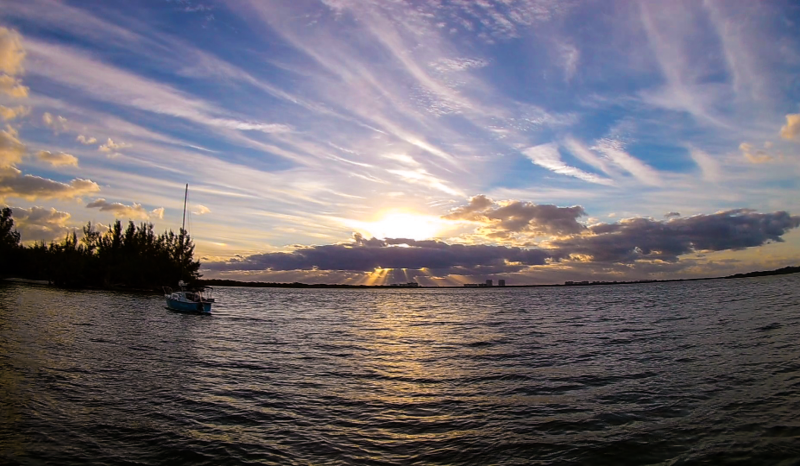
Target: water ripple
point(661, 373)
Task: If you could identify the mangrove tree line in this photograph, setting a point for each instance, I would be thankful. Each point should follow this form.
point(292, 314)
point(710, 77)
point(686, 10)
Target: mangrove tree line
point(134, 257)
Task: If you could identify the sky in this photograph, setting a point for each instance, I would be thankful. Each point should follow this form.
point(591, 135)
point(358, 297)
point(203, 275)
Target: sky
point(386, 141)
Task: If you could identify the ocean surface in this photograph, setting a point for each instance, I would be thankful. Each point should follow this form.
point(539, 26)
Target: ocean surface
point(704, 372)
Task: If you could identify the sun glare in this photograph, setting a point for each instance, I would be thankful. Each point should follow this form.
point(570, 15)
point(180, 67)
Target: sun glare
point(408, 225)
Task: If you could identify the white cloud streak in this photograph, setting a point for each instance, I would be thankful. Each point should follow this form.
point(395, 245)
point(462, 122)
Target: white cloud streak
point(708, 165)
point(614, 151)
point(547, 156)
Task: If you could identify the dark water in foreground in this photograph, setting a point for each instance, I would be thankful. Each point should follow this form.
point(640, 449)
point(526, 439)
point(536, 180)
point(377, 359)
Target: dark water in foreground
point(672, 373)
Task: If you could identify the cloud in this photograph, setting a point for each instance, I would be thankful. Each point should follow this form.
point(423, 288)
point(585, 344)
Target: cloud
point(41, 224)
point(133, 211)
point(12, 54)
point(547, 156)
point(497, 20)
point(269, 128)
point(635, 239)
point(14, 184)
point(111, 148)
point(86, 141)
point(422, 177)
point(57, 159)
point(510, 218)
point(667, 29)
point(614, 151)
point(367, 255)
point(10, 113)
point(30, 187)
point(80, 71)
point(754, 155)
point(472, 210)
point(570, 56)
point(458, 64)
point(579, 150)
point(11, 148)
point(200, 209)
point(12, 86)
point(672, 214)
point(709, 166)
point(792, 128)
point(56, 123)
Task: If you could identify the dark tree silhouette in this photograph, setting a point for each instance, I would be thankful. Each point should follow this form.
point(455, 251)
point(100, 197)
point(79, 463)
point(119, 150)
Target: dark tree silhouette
point(9, 242)
point(133, 257)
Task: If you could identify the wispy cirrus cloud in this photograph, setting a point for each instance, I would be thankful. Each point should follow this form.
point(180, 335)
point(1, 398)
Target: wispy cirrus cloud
point(614, 152)
point(547, 156)
point(79, 70)
point(583, 153)
point(709, 166)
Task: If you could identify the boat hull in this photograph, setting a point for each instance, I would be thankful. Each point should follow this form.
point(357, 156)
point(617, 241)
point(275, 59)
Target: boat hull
point(191, 307)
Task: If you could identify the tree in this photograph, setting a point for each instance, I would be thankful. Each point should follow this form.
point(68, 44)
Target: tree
point(9, 238)
point(9, 242)
point(133, 256)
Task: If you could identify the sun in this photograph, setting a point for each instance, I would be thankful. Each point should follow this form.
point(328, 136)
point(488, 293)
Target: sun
point(400, 224)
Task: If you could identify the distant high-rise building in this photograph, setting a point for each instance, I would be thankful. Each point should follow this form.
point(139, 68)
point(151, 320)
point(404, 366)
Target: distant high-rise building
point(489, 282)
point(501, 283)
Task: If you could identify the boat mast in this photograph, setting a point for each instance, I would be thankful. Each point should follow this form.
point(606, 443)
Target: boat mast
point(185, 197)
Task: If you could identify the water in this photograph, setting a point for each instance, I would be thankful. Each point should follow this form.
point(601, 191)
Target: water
point(667, 373)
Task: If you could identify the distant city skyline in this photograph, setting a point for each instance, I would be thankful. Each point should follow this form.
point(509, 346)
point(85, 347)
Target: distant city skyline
point(440, 142)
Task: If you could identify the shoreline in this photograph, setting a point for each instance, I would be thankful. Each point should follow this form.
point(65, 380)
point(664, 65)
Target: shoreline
point(234, 283)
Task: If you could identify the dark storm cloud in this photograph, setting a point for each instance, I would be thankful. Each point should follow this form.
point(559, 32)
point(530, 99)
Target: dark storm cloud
point(644, 238)
point(598, 247)
point(520, 216)
point(368, 254)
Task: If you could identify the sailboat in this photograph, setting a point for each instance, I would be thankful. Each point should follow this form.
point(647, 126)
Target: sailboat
point(185, 300)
